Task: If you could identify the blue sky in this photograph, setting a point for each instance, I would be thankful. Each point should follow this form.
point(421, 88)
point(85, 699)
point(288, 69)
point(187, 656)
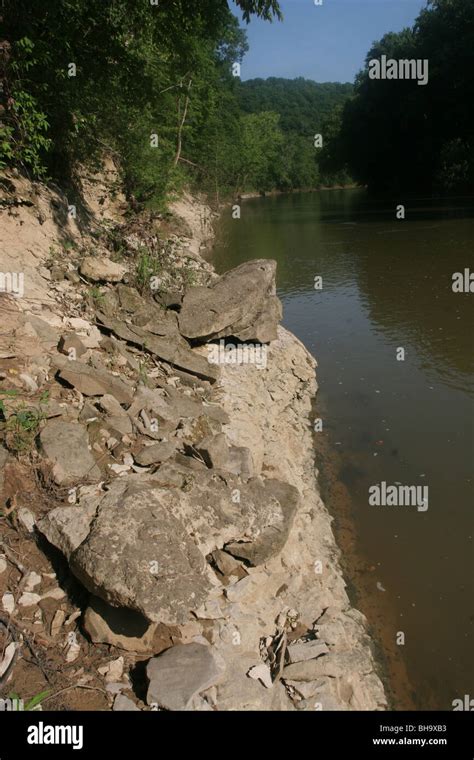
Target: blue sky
point(327, 43)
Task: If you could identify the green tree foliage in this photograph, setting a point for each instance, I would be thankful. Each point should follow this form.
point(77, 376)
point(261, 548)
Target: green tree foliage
point(303, 107)
point(262, 141)
point(150, 83)
point(396, 134)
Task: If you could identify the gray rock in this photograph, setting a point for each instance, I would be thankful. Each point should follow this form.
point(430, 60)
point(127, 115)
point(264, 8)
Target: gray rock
point(67, 527)
point(47, 335)
point(138, 554)
point(226, 564)
point(93, 382)
point(173, 350)
point(66, 445)
point(27, 519)
point(117, 417)
point(273, 536)
point(181, 673)
point(124, 704)
point(102, 270)
point(333, 665)
point(307, 651)
point(241, 303)
point(57, 273)
point(158, 452)
point(144, 544)
point(218, 454)
point(72, 276)
point(119, 627)
point(129, 299)
point(170, 299)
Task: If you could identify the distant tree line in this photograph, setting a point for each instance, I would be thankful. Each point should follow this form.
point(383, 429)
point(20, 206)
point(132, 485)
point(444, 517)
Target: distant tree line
point(397, 135)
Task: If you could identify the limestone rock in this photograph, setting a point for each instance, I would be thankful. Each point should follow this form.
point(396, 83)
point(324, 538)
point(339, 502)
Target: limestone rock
point(138, 555)
point(307, 651)
point(273, 536)
point(241, 303)
point(173, 350)
point(102, 270)
point(117, 417)
point(144, 544)
point(218, 454)
point(332, 665)
point(66, 445)
point(158, 452)
point(180, 674)
point(124, 704)
point(93, 382)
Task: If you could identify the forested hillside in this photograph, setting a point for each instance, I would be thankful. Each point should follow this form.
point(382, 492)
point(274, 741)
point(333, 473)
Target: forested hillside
point(305, 109)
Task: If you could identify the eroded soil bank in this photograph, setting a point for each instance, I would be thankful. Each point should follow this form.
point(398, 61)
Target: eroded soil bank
point(163, 543)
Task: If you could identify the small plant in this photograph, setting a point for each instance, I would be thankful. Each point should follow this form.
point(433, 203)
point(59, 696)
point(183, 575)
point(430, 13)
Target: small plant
point(148, 266)
point(33, 704)
point(143, 374)
point(96, 294)
point(189, 277)
point(22, 426)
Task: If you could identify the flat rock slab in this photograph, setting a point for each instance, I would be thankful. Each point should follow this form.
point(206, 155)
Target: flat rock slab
point(170, 348)
point(181, 673)
point(332, 665)
point(241, 303)
point(66, 445)
point(101, 270)
point(309, 650)
point(93, 382)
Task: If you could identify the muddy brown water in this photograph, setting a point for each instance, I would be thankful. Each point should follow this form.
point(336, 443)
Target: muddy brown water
point(387, 285)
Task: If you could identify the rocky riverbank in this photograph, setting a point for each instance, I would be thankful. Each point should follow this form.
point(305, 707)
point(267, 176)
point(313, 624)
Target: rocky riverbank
point(163, 544)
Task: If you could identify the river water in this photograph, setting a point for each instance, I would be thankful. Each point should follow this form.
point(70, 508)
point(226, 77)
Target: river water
point(403, 419)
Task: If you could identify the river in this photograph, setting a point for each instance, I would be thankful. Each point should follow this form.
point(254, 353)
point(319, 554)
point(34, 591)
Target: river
point(394, 346)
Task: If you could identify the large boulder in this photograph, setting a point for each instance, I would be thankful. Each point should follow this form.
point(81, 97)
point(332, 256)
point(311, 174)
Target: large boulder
point(144, 546)
point(242, 303)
